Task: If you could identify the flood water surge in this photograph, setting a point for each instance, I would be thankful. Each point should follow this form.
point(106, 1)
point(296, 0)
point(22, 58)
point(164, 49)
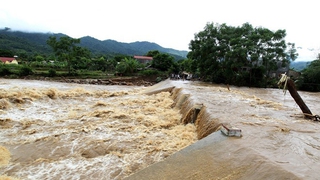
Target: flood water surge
point(276, 143)
point(167, 131)
point(70, 131)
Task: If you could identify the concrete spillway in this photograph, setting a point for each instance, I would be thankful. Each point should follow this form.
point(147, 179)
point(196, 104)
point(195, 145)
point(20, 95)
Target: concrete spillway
point(277, 142)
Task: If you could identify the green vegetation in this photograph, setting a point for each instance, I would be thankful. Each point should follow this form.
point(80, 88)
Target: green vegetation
point(310, 79)
point(5, 70)
point(73, 61)
point(243, 56)
point(128, 66)
point(57, 55)
point(15, 70)
point(66, 51)
point(161, 61)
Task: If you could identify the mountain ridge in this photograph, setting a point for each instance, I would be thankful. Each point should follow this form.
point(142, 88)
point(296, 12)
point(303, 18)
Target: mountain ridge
point(299, 65)
point(35, 42)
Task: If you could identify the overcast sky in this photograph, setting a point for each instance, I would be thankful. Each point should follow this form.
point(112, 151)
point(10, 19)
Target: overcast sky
point(169, 23)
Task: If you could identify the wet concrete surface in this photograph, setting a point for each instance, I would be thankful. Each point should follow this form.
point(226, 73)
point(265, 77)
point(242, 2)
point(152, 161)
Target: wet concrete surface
point(215, 157)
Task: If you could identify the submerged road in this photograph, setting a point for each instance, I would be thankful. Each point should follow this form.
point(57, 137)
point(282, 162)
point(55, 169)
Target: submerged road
point(276, 143)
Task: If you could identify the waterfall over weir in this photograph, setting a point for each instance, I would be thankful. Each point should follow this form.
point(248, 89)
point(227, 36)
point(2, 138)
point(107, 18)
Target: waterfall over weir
point(191, 111)
point(195, 113)
point(277, 142)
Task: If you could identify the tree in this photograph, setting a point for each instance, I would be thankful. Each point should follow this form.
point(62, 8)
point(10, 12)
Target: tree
point(292, 52)
point(99, 64)
point(161, 61)
point(6, 53)
point(66, 50)
point(227, 54)
point(39, 58)
point(186, 65)
point(127, 66)
point(120, 57)
point(80, 58)
point(310, 78)
point(111, 64)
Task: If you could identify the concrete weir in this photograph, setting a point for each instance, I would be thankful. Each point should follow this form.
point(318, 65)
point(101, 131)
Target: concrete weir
point(214, 155)
point(208, 159)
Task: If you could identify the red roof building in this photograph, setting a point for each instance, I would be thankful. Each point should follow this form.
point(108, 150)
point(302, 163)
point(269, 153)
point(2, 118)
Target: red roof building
point(8, 60)
point(143, 59)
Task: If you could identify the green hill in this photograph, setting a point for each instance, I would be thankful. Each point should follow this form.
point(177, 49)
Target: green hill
point(299, 65)
point(32, 43)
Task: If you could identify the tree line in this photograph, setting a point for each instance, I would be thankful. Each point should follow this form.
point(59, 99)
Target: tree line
point(242, 56)
point(247, 56)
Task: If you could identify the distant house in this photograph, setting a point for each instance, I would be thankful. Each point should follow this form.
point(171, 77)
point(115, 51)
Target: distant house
point(8, 60)
point(143, 59)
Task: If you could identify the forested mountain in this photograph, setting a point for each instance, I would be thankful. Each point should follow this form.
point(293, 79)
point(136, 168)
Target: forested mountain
point(31, 43)
point(299, 65)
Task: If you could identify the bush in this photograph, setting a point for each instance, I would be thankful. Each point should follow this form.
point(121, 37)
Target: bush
point(25, 71)
point(36, 64)
point(310, 79)
point(121, 68)
point(149, 72)
point(52, 72)
point(4, 70)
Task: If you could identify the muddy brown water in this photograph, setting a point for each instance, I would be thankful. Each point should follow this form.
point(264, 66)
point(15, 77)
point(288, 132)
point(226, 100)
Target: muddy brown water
point(71, 131)
point(277, 142)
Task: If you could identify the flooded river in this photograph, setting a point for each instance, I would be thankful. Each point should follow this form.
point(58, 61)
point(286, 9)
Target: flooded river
point(70, 131)
point(276, 143)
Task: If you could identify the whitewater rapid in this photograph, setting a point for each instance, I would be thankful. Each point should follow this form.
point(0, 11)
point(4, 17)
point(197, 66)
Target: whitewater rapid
point(71, 131)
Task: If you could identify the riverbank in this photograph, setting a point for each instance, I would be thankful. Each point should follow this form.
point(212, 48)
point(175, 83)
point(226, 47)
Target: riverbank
point(123, 81)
